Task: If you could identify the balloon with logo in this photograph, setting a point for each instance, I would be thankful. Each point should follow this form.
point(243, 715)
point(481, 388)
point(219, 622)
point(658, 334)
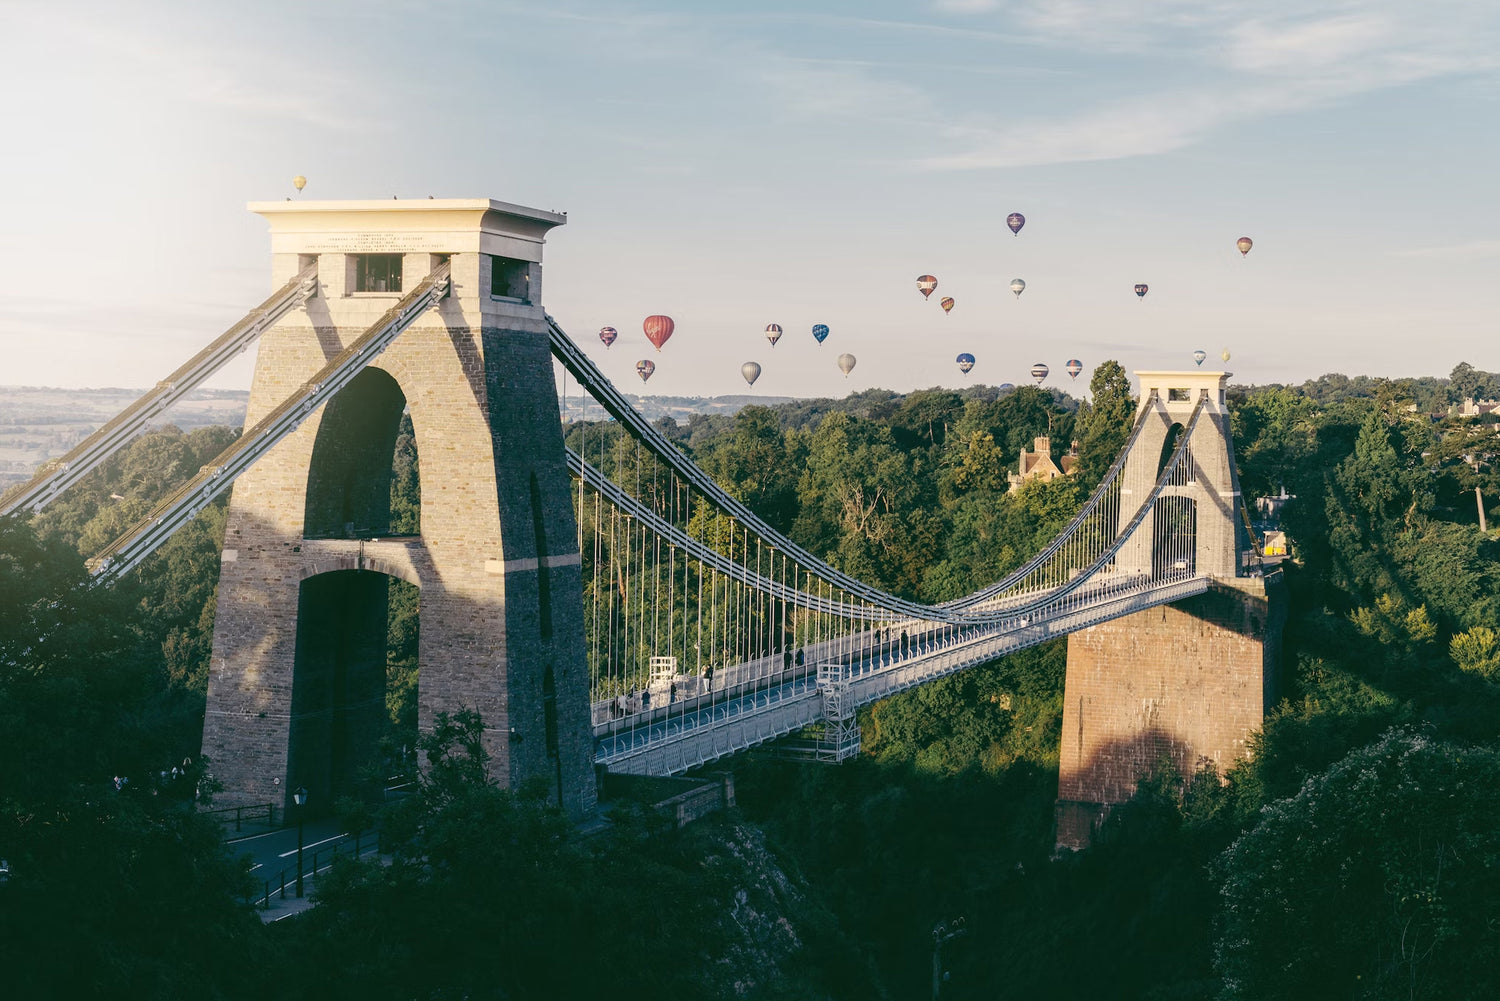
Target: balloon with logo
point(926, 284)
point(846, 364)
point(1074, 366)
point(658, 329)
point(820, 332)
point(1015, 221)
point(1141, 290)
point(1017, 286)
point(947, 304)
point(1199, 355)
point(773, 333)
point(965, 362)
point(1244, 244)
point(1039, 372)
point(645, 369)
point(751, 371)
point(608, 335)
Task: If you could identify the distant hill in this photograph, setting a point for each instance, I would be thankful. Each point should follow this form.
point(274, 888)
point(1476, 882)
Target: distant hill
point(38, 423)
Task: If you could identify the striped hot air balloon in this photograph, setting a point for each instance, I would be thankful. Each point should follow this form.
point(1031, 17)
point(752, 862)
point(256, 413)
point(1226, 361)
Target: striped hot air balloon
point(1039, 372)
point(608, 335)
point(1017, 286)
point(645, 369)
point(773, 333)
point(1074, 366)
point(658, 328)
point(947, 304)
point(926, 284)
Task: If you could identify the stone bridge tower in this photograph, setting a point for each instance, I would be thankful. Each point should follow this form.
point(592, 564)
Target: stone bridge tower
point(1183, 684)
point(298, 676)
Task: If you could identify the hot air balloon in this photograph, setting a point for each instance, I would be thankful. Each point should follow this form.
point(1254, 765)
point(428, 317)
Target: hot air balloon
point(658, 328)
point(1224, 354)
point(846, 364)
point(1015, 221)
point(299, 182)
point(1039, 372)
point(820, 332)
point(947, 304)
point(1244, 243)
point(751, 371)
point(645, 369)
point(926, 284)
point(608, 335)
point(1199, 355)
point(1142, 289)
point(773, 333)
point(965, 362)
point(1074, 366)
point(1006, 385)
point(1017, 286)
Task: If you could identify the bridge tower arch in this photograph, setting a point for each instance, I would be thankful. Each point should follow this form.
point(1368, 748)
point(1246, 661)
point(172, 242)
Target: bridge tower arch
point(1185, 683)
point(497, 557)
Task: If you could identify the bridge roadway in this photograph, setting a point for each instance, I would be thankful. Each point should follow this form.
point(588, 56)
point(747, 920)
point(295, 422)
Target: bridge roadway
point(694, 731)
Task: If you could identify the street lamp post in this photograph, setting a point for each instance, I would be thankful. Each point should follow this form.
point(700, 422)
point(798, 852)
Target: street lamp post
point(300, 799)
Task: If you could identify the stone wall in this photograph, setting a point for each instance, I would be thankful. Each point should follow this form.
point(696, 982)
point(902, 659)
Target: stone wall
point(1185, 683)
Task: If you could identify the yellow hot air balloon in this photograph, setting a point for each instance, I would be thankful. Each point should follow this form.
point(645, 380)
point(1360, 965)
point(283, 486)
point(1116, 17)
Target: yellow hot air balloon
point(299, 182)
point(1224, 354)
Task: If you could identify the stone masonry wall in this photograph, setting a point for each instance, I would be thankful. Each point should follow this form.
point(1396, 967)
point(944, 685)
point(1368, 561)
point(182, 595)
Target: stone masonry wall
point(1186, 682)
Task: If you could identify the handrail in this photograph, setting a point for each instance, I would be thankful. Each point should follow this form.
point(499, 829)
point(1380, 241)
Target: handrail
point(59, 474)
point(213, 479)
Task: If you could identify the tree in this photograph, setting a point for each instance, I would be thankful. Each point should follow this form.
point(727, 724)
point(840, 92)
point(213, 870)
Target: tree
point(1104, 422)
point(1376, 880)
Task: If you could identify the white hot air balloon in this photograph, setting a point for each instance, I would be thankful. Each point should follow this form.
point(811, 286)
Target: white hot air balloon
point(1017, 286)
point(751, 371)
point(846, 364)
point(1199, 355)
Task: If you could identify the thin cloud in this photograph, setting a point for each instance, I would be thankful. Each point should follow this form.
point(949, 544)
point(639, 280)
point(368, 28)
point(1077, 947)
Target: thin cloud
point(1471, 249)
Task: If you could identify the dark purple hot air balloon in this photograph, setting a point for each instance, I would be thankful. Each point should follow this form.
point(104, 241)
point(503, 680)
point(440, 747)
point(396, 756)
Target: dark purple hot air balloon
point(1142, 289)
point(1015, 221)
point(608, 335)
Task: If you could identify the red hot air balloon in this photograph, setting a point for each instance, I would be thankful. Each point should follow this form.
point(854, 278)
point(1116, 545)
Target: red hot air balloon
point(947, 304)
point(926, 284)
point(608, 335)
point(1074, 366)
point(645, 369)
point(1142, 289)
point(1015, 221)
point(1244, 244)
point(658, 328)
point(773, 333)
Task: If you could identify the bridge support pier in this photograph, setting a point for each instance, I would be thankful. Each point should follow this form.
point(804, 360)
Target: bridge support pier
point(1181, 684)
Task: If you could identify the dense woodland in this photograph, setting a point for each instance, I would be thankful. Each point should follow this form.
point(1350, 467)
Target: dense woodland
point(1354, 855)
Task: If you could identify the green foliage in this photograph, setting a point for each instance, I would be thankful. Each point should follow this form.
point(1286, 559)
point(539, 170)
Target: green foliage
point(1477, 651)
point(1104, 422)
point(1368, 882)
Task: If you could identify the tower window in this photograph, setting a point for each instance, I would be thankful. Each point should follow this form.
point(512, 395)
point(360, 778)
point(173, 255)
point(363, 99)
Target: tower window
point(510, 279)
point(377, 272)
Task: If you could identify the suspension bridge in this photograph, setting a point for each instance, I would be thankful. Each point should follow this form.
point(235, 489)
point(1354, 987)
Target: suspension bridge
point(608, 605)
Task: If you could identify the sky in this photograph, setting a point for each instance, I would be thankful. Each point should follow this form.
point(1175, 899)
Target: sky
point(738, 164)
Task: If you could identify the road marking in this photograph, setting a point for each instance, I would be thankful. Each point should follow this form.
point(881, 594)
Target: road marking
point(315, 844)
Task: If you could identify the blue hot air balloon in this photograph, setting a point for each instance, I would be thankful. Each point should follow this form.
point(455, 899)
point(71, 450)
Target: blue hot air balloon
point(1199, 355)
point(965, 362)
point(820, 332)
point(1005, 386)
point(1074, 366)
